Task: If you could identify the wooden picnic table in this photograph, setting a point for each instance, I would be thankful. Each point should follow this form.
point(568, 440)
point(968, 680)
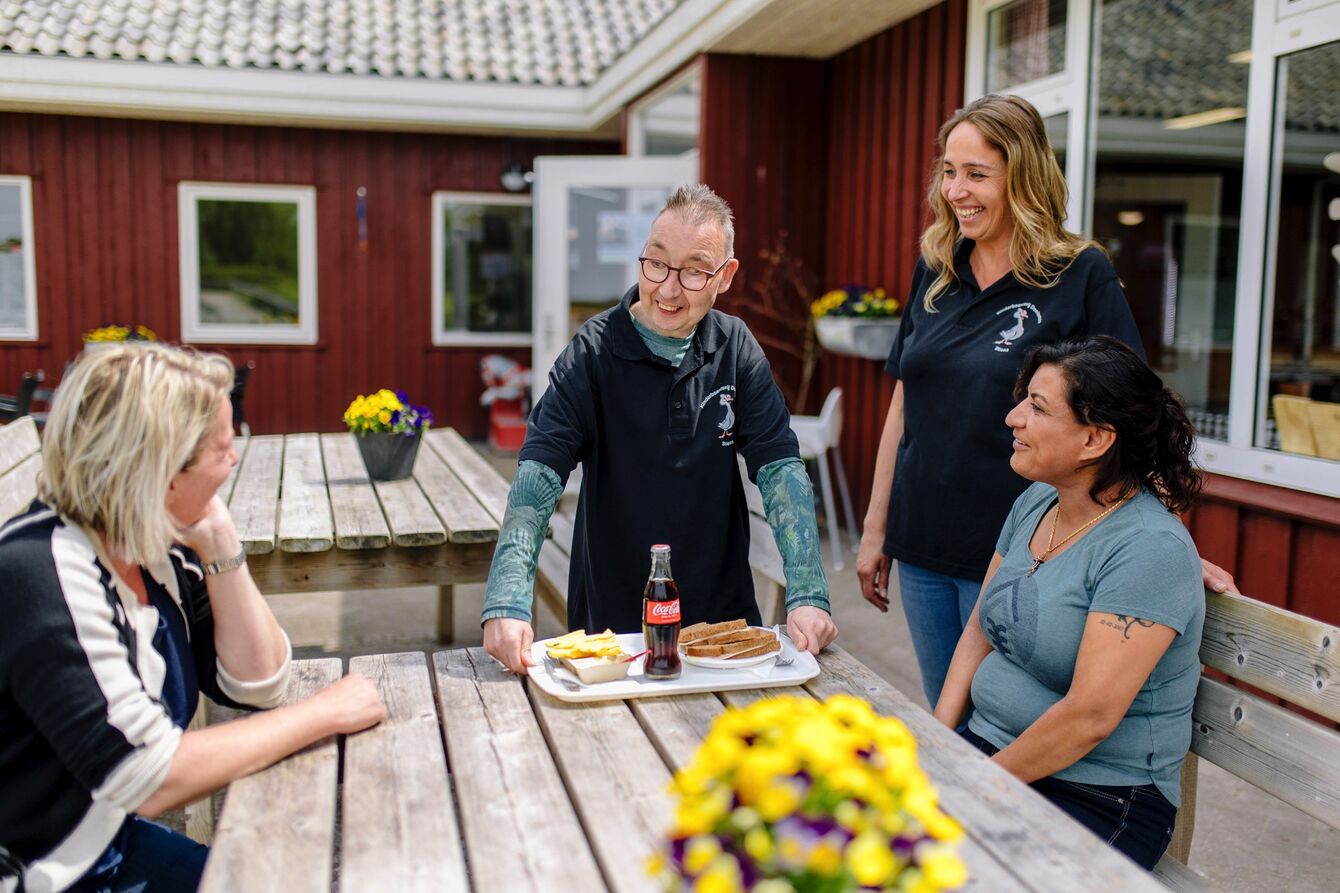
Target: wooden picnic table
point(311, 520)
point(531, 793)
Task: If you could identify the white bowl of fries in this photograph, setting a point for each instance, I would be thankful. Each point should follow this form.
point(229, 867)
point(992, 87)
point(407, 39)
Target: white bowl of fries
point(592, 658)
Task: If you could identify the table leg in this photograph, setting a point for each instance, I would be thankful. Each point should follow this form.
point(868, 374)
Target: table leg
point(446, 613)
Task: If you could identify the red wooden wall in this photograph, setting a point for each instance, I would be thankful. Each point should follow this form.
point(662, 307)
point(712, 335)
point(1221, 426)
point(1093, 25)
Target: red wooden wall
point(105, 215)
point(889, 96)
point(764, 149)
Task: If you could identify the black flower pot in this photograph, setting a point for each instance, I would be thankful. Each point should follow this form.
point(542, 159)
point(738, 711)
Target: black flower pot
point(388, 457)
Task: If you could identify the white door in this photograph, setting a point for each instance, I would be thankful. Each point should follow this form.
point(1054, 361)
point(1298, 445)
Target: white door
point(592, 218)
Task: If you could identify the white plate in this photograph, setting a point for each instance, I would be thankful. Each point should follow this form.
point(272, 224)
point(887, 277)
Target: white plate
point(721, 663)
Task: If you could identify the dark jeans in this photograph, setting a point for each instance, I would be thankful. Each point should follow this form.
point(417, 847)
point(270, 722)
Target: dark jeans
point(1137, 820)
point(152, 859)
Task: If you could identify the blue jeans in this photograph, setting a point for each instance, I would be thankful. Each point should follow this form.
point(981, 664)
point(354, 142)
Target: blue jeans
point(148, 859)
point(937, 608)
point(1136, 820)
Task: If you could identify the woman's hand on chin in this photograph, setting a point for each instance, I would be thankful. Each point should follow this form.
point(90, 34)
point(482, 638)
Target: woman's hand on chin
point(214, 536)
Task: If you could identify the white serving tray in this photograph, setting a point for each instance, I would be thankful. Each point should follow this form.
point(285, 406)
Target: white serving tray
point(691, 679)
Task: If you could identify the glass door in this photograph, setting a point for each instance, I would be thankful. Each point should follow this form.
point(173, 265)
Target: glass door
point(592, 218)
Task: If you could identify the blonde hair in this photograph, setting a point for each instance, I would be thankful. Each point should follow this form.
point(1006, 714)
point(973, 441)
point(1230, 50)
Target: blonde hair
point(698, 205)
point(1041, 249)
point(123, 423)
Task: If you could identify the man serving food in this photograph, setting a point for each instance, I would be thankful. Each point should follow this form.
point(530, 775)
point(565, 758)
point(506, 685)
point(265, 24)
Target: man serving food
point(639, 398)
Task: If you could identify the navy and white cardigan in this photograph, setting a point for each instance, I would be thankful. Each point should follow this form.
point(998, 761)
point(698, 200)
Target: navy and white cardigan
point(84, 736)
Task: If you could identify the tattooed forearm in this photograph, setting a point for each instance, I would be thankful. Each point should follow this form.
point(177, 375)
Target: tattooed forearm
point(1124, 622)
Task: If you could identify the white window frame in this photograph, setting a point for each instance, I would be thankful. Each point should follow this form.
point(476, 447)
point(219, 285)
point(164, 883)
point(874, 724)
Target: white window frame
point(446, 337)
point(28, 331)
point(193, 330)
point(1279, 28)
point(637, 128)
point(1066, 92)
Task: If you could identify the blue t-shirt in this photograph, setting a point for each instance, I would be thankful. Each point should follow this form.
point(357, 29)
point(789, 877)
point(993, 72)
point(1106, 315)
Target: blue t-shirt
point(1139, 562)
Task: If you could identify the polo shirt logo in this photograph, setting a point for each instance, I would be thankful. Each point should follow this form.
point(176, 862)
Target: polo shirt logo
point(1022, 314)
point(725, 397)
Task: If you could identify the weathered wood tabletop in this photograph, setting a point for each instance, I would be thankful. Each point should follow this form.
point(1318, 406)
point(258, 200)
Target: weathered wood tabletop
point(311, 520)
point(531, 793)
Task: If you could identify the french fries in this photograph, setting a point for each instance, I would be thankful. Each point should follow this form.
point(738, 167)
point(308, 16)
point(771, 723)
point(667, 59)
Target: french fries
point(578, 644)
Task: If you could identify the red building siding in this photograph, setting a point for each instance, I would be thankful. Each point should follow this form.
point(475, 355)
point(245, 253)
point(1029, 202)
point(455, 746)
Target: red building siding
point(763, 148)
point(889, 96)
point(105, 215)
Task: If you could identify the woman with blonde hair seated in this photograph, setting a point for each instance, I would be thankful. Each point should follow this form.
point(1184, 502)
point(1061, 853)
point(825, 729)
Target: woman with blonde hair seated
point(125, 593)
point(1081, 660)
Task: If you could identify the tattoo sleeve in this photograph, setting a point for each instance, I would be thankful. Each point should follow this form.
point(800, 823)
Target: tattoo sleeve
point(1125, 622)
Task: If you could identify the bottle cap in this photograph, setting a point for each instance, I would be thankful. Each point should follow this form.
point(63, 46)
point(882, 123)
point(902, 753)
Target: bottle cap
point(660, 547)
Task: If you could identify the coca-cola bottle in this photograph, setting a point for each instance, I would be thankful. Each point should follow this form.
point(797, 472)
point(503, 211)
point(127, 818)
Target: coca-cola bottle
point(660, 618)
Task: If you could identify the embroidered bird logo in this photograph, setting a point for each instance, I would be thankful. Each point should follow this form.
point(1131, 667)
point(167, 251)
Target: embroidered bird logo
point(1016, 331)
point(727, 423)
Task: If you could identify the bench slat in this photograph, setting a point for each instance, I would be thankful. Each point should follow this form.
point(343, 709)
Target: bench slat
point(600, 748)
point(277, 830)
point(1286, 654)
point(253, 502)
point(520, 828)
point(399, 820)
point(1284, 754)
point(19, 486)
point(563, 528)
point(305, 522)
point(465, 520)
point(1057, 853)
point(489, 487)
point(1177, 877)
point(358, 518)
point(18, 441)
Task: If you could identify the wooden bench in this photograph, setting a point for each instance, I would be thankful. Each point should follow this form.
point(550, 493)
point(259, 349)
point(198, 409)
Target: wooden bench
point(551, 575)
point(20, 459)
point(1285, 754)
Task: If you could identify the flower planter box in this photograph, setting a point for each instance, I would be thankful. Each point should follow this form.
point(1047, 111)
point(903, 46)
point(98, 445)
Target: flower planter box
point(870, 338)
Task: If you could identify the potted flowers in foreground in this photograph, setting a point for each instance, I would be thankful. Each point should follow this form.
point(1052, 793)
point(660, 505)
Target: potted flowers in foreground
point(387, 428)
point(857, 321)
point(794, 795)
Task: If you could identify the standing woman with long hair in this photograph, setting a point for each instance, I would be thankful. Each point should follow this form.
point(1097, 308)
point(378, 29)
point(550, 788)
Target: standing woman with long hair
point(998, 274)
point(1080, 663)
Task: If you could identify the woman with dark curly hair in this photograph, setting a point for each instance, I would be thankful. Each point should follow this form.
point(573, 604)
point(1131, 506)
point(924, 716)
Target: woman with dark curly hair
point(1080, 663)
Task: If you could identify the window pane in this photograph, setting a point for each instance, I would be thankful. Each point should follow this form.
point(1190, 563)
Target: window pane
point(1168, 184)
point(13, 244)
point(1304, 360)
point(487, 263)
point(1058, 133)
point(670, 123)
point(248, 262)
point(1025, 41)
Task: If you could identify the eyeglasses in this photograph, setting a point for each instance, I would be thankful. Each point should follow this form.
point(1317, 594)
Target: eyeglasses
point(691, 278)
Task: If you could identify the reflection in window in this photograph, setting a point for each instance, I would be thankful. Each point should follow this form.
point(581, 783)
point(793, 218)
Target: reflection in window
point(1303, 377)
point(248, 262)
point(486, 266)
point(669, 123)
point(1058, 133)
point(1168, 183)
point(17, 289)
point(1025, 41)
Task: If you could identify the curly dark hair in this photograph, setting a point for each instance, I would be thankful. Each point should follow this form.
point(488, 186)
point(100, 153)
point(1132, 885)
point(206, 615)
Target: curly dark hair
point(1111, 387)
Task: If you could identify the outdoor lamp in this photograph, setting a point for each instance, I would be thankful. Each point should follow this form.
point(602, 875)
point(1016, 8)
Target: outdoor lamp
point(515, 177)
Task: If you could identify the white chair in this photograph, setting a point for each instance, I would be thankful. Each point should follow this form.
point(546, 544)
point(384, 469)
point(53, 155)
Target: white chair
point(819, 436)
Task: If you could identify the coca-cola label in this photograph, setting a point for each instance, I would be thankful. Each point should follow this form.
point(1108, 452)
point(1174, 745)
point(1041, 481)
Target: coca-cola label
point(661, 613)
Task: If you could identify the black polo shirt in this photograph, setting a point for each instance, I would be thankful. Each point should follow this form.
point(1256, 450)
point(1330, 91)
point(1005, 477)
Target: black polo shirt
point(657, 446)
point(952, 484)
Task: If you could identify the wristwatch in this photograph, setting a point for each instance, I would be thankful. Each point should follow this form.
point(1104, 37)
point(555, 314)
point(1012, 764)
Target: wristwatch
point(225, 565)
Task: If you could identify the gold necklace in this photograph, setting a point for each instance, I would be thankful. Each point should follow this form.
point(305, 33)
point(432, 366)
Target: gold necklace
point(1052, 547)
